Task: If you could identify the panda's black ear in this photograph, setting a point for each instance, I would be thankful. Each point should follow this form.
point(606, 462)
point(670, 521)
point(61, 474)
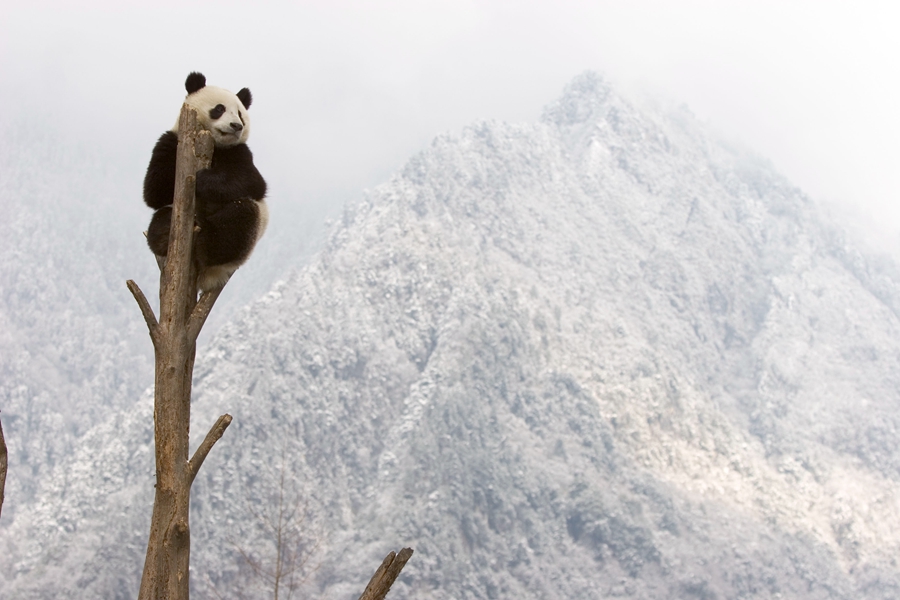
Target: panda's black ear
point(245, 97)
point(195, 81)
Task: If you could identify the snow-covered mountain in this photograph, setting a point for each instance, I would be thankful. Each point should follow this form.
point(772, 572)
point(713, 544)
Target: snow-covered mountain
point(603, 355)
point(70, 351)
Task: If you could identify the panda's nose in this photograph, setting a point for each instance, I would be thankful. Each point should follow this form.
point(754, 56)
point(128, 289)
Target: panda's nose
point(237, 127)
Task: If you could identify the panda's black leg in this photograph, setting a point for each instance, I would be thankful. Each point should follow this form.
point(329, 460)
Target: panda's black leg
point(158, 232)
point(228, 233)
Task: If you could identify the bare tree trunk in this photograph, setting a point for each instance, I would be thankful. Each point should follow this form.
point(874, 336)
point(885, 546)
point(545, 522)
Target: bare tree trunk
point(387, 573)
point(174, 337)
point(4, 462)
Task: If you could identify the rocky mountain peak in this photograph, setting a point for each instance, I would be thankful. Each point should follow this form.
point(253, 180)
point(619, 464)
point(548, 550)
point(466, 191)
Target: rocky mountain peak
point(583, 101)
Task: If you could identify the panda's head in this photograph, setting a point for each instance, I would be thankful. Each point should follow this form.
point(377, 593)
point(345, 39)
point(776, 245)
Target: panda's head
point(221, 112)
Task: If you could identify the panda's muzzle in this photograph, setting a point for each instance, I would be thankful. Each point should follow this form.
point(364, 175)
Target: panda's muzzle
point(237, 127)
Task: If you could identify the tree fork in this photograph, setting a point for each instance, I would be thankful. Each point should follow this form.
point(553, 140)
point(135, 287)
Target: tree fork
point(174, 337)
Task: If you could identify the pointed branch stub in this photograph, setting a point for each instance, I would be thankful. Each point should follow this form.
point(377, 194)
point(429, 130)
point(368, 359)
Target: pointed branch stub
point(387, 573)
point(146, 310)
point(201, 312)
point(215, 434)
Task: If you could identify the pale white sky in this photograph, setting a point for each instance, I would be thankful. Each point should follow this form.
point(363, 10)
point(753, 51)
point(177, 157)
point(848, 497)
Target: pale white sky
point(346, 91)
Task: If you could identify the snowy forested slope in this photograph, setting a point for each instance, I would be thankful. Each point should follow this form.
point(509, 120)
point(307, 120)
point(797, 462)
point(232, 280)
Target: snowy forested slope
point(603, 355)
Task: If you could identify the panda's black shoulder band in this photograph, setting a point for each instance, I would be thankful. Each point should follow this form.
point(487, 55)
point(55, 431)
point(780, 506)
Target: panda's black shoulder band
point(195, 81)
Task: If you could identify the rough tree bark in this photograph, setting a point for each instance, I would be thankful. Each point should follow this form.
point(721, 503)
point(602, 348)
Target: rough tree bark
point(4, 461)
point(387, 573)
point(174, 339)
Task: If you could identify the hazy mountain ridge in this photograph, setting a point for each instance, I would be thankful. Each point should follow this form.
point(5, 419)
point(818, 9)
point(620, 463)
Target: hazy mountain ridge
point(603, 355)
point(69, 353)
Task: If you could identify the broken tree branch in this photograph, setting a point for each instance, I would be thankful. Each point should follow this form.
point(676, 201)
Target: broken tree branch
point(214, 435)
point(145, 307)
point(387, 573)
point(201, 312)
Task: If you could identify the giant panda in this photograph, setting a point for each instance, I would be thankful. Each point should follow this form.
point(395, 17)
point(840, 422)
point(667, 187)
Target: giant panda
point(231, 211)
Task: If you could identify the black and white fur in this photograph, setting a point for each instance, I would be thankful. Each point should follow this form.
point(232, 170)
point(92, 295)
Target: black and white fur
point(231, 213)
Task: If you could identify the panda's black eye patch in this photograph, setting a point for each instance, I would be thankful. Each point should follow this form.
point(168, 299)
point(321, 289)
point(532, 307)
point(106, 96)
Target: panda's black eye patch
point(218, 111)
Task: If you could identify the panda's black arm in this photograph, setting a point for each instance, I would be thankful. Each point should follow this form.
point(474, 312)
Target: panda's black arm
point(159, 182)
point(232, 176)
